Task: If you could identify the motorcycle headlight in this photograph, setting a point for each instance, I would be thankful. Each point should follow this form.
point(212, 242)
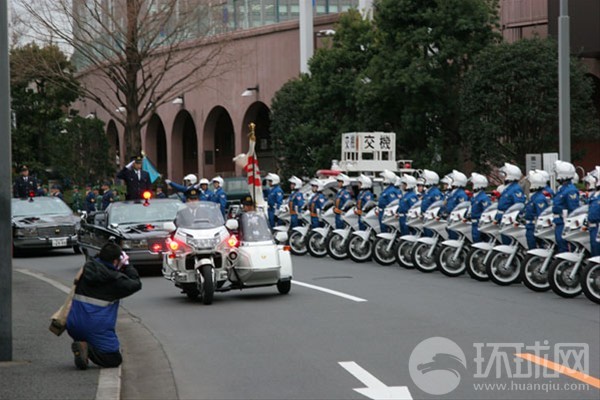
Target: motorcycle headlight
point(26, 232)
point(134, 244)
point(203, 243)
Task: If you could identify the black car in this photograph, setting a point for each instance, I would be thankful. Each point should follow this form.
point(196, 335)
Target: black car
point(43, 223)
point(236, 189)
point(141, 229)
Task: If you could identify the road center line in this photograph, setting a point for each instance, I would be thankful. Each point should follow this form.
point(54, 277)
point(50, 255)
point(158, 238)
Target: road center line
point(333, 292)
point(42, 277)
point(580, 376)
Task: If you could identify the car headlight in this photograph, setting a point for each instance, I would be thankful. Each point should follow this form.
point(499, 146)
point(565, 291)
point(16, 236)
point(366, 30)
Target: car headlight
point(134, 244)
point(26, 232)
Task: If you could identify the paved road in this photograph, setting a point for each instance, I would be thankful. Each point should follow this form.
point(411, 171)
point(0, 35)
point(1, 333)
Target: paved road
point(257, 344)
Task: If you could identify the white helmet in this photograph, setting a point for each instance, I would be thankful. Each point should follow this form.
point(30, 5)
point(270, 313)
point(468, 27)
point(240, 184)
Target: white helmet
point(511, 172)
point(365, 181)
point(218, 179)
point(564, 170)
point(447, 179)
point(204, 181)
point(479, 181)
point(597, 173)
point(544, 174)
point(410, 181)
point(420, 181)
point(431, 177)
point(459, 179)
point(590, 180)
point(296, 181)
point(398, 181)
point(191, 178)
point(345, 179)
point(273, 178)
point(318, 183)
point(536, 180)
point(388, 177)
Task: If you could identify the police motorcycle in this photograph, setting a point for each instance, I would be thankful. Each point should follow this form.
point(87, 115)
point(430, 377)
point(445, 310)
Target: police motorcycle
point(297, 239)
point(384, 246)
point(424, 251)
point(206, 255)
point(590, 279)
point(360, 243)
point(404, 248)
point(316, 239)
point(564, 272)
point(481, 252)
point(452, 256)
point(337, 242)
point(504, 264)
point(534, 273)
point(280, 232)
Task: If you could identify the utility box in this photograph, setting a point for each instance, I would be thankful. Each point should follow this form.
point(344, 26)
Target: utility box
point(533, 161)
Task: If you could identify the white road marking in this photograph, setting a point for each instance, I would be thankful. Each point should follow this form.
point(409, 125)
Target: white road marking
point(109, 379)
point(333, 292)
point(375, 389)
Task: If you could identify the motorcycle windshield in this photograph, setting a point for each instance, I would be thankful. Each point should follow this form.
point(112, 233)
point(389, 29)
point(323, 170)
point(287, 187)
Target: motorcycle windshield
point(579, 210)
point(199, 215)
point(254, 228)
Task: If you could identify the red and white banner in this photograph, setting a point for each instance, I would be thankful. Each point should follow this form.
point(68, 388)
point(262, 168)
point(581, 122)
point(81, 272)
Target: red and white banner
point(249, 163)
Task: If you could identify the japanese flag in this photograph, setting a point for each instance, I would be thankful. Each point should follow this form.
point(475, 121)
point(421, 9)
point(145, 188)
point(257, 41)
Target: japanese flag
point(249, 163)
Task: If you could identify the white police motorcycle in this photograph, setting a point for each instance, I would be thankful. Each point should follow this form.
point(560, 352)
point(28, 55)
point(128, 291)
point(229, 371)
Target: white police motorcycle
point(205, 255)
point(404, 248)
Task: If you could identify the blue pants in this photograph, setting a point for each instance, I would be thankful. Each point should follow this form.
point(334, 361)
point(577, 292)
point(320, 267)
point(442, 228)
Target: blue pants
point(561, 244)
point(475, 232)
point(361, 225)
point(271, 213)
point(427, 232)
point(339, 222)
point(452, 235)
point(294, 221)
point(594, 244)
point(383, 227)
point(529, 234)
point(403, 227)
point(314, 222)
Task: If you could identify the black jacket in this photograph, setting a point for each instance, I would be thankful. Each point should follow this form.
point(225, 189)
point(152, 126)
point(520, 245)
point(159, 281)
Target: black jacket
point(21, 188)
point(102, 282)
point(135, 186)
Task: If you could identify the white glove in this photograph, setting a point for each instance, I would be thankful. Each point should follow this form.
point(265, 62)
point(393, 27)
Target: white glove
point(168, 181)
point(128, 166)
point(124, 259)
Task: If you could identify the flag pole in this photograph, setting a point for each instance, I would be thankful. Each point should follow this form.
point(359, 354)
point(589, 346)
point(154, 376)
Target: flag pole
point(252, 137)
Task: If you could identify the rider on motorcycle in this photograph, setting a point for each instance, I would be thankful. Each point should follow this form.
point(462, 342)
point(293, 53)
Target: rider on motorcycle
point(388, 195)
point(341, 198)
point(594, 216)
point(296, 200)
point(364, 196)
point(534, 207)
point(457, 196)
point(479, 202)
point(409, 198)
point(316, 203)
point(511, 193)
point(565, 201)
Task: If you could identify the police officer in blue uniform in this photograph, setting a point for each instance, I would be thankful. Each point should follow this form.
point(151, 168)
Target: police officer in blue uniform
point(432, 193)
point(565, 200)
point(537, 203)
point(364, 197)
point(457, 196)
point(25, 185)
point(479, 202)
point(219, 196)
point(295, 201)
point(511, 194)
point(341, 198)
point(136, 179)
point(389, 194)
point(548, 192)
point(408, 199)
point(107, 195)
point(594, 216)
point(316, 203)
point(275, 198)
point(188, 182)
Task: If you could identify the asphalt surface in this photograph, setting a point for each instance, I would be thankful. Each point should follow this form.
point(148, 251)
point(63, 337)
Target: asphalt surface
point(257, 344)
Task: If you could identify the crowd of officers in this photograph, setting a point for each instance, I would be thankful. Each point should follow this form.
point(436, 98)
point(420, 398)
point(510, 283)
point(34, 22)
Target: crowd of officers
point(452, 189)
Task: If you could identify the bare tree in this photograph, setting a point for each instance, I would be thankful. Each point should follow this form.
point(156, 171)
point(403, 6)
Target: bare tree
point(140, 53)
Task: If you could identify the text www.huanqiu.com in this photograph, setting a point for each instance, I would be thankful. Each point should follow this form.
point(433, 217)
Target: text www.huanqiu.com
point(545, 387)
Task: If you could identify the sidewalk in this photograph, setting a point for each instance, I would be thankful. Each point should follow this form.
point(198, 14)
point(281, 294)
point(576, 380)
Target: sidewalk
point(43, 368)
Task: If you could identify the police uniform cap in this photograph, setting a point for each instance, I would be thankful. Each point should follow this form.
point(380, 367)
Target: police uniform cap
point(247, 201)
point(24, 168)
point(106, 183)
point(138, 159)
point(191, 194)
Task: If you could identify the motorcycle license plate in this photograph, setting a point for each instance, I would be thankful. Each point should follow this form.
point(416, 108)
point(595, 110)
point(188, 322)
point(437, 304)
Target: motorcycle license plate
point(62, 242)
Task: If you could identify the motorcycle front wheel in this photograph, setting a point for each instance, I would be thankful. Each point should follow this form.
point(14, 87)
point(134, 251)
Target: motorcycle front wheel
point(590, 282)
point(359, 250)
point(421, 260)
point(208, 285)
point(560, 281)
point(336, 248)
point(297, 244)
point(404, 251)
point(447, 265)
point(380, 253)
point(476, 264)
point(315, 243)
point(500, 273)
point(531, 276)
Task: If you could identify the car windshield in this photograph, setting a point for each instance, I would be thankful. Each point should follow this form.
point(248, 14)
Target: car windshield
point(39, 206)
point(199, 215)
point(123, 213)
point(254, 227)
point(235, 185)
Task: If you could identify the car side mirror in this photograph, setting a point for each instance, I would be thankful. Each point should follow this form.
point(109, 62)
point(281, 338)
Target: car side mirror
point(232, 224)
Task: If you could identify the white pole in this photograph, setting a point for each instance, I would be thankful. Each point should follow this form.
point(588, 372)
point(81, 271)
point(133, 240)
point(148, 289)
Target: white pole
point(366, 8)
point(564, 89)
point(306, 34)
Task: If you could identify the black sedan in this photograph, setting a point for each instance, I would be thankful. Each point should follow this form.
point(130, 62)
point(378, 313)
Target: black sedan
point(43, 223)
point(141, 229)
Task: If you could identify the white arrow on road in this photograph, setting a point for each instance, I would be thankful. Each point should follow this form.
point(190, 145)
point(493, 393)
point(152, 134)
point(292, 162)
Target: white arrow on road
point(375, 389)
